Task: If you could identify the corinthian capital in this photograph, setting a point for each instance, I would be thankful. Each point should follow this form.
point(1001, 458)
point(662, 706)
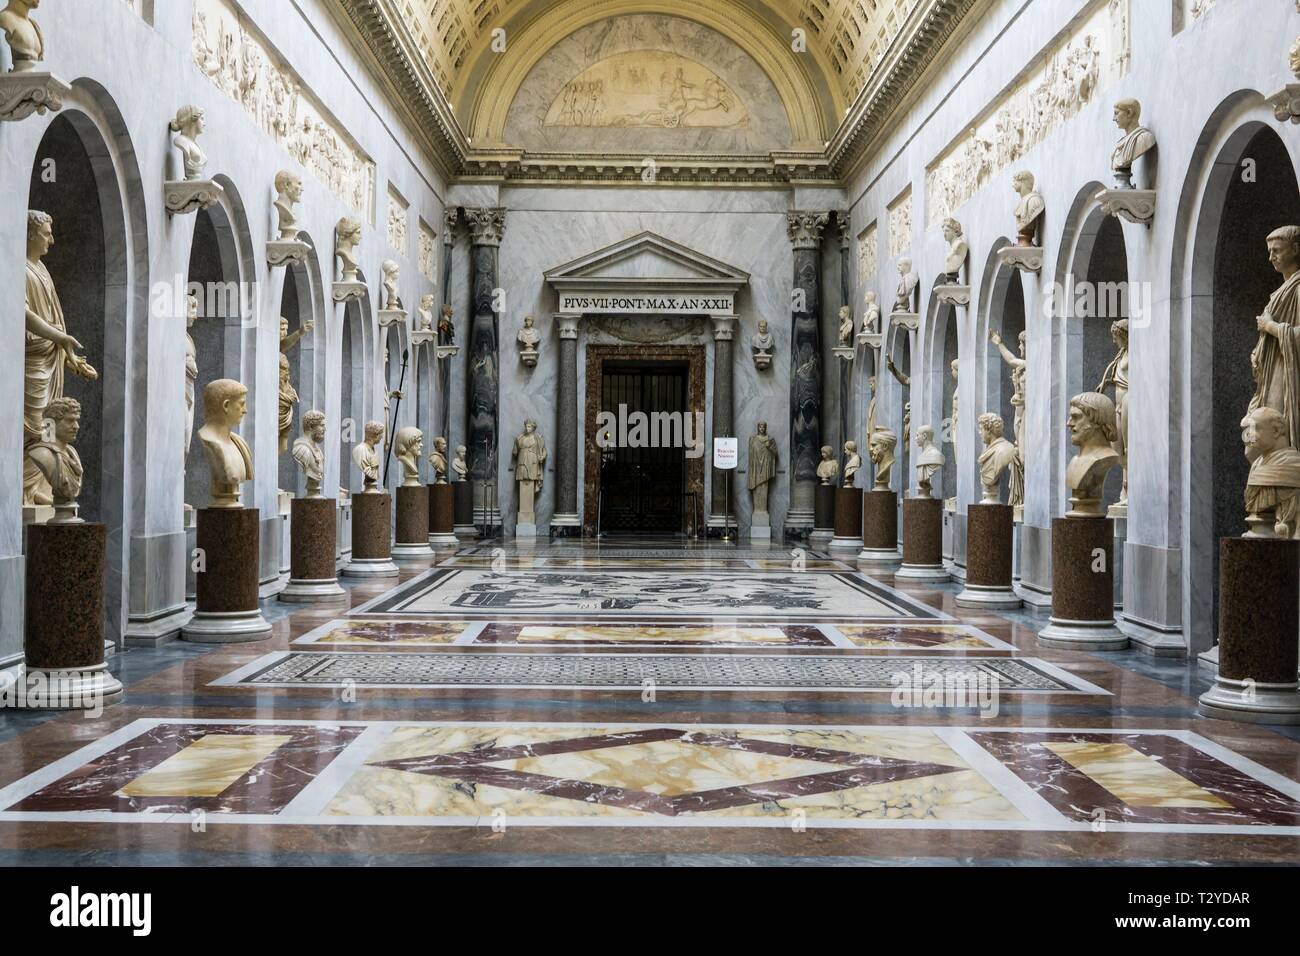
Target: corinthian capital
point(805, 228)
point(486, 225)
point(450, 215)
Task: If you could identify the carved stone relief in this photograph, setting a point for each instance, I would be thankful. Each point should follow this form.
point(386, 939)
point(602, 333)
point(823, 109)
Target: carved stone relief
point(900, 225)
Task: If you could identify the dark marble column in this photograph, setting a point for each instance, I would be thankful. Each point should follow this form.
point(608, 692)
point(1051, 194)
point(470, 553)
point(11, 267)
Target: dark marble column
point(844, 369)
point(450, 215)
point(724, 413)
point(566, 431)
point(805, 230)
point(486, 226)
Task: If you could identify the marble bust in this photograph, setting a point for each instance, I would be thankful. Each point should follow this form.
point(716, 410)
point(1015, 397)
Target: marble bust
point(288, 193)
point(438, 459)
point(408, 443)
point(828, 469)
point(761, 467)
point(846, 327)
point(459, 467)
point(852, 463)
point(191, 369)
point(908, 280)
point(1273, 487)
point(1093, 431)
point(187, 126)
point(998, 455)
point(424, 315)
point(392, 297)
point(23, 34)
point(882, 445)
point(1275, 360)
point(928, 462)
point(366, 457)
point(446, 328)
point(1137, 141)
point(307, 451)
point(762, 345)
point(347, 237)
point(958, 250)
point(59, 462)
point(1029, 210)
point(528, 338)
point(225, 402)
point(871, 319)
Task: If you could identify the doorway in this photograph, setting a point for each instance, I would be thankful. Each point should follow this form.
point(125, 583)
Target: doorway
point(643, 460)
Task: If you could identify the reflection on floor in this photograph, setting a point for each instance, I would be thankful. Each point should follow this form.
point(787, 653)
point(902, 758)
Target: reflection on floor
point(594, 700)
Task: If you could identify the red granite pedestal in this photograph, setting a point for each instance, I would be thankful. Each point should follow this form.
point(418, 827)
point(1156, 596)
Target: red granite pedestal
point(442, 516)
point(848, 520)
point(923, 541)
point(1083, 586)
point(412, 540)
point(372, 536)
point(880, 531)
point(990, 546)
point(313, 547)
point(226, 608)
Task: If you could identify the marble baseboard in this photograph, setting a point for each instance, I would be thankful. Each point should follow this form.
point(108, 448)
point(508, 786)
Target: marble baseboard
point(1152, 639)
point(1036, 566)
point(12, 597)
point(1153, 595)
point(157, 585)
point(1208, 661)
point(11, 670)
point(271, 580)
point(157, 629)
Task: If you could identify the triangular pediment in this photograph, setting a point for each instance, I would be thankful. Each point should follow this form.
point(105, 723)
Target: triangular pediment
point(647, 261)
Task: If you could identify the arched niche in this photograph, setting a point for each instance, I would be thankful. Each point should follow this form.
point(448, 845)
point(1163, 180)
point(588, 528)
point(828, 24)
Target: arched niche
point(356, 381)
point(899, 349)
point(1224, 280)
point(396, 377)
point(1002, 312)
point(425, 404)
point(941, 349)
point(302, 305)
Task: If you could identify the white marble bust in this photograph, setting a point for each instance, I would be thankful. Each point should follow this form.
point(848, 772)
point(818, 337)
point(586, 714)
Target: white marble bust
point(1273, 487)
point(23, 34)
point(309, 454)
point(347, 237)
point(1029, 210)
point(852, 463)
point(846, 327)
point(459, 467)
point(392, 275)
point(424, 320)
point(408, 444)
point(288, 193)
point(187, 126)
point(882, 445)
point(1137, 141)
point(225, 402)
point(1093, 431)
point(58, 461)
point(828, 469)
point(871, 319)
point(762, 345)
point(366, 457)
point(907, 283)
point(929, 461)
point(958, 250)
point(528, 338)
point(998, 455)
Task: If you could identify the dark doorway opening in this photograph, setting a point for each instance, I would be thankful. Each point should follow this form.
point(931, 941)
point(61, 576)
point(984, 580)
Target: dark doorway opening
point(643, 453)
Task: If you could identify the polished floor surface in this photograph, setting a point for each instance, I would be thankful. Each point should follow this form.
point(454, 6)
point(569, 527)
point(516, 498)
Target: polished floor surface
point(638, 703)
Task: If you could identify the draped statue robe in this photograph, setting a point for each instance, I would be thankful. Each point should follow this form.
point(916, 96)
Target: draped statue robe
point(43, 375)
point(1276, 359)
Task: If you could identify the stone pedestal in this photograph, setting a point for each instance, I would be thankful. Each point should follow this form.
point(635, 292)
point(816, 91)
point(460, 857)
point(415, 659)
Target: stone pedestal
point(64, 634)
point(412, 540)
point(990, 537)
point(313, 550)
point(1259, 615)
point(463, 495)
point(880, 531)
point(442, 516)
point(823, 516)
point(923, 541)
point(848, 520)
point(1083, 586)
point(372, 523)
point(226, 609)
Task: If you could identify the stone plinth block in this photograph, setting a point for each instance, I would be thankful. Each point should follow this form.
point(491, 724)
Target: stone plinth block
point(1083, 586)
point(313, 547)
point(463, 493)
point(64, 636)
point(185, 197)
point(226, 609)
point(848, 519)
point(372, 536)
point(1259, 616)
point(442, 516)
point(990, 546)
point(880, 530)
point(923, 541)
point(412, 540)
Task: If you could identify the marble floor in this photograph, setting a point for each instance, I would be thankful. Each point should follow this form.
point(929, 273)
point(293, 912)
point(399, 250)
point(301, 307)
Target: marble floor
point(589, 703)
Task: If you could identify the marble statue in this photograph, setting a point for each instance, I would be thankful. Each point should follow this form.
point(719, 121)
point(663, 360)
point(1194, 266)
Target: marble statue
point(958, 250)
point(1273, 487)
point(904, 300)
point(852, 463)
point(392, 297)
point(58, 462)
point(1116, 376)
point(906, 382)
point(1275, 360)
point(191, 370)
point(1136, 141)
point(187, 126)
point(955, 369)
point(438, 459)
point(366, 457)
point(288, 394)
point(871, 319)
point(424, 315)
point(288, 193)
point(1093, 432)
point(529, 454)
point(408, 444)
point(459, 467)
point(529, 338)
point(846, 327)
point(50, 351)
point(1293, 58)
point(828, 469)
point(347, 237)
point(446, 328)
point(1029, 211)
point(999, 455)
point(762, 343)
point(882, 445)
point(762, 467)
point(928, 462)
point(23, 34)
point(871, 407)
point(225, 402)
point(309, 454)
point(907, 422)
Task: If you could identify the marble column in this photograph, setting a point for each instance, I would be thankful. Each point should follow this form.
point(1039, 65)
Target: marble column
point(450, 215)
point(724, 413)
point(805, 231)
point(486, 226)
point(567, 447)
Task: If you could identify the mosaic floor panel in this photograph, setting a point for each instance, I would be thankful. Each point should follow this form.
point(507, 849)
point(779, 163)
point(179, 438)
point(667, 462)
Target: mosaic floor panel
point(372, 773)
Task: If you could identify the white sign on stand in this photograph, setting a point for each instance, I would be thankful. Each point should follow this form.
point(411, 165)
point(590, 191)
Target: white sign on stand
point(726, 453)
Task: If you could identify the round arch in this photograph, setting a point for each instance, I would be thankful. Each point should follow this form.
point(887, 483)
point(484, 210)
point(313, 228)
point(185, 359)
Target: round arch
point(1002, 312)
point(939, 350)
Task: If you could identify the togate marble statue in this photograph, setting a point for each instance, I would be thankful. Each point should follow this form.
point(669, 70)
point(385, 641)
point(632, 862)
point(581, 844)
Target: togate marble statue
point(288, 396)
point(366, 457)
point(763, 457)
point(852, 463)
point(930, 461)
point(438, 459)
point(1016, 489)
point(529, 455)
point(762, 344)
point(1029, 210)
point(1273, 487)
point(1137, 141)
point(309, 454)
point(999, 455)
point(1275, 360)
point(882, 444)
point(828, 469)
point(1093, 432)
point(225, 402)
point(1116, 377)
point(58, 462)
point(408, 444)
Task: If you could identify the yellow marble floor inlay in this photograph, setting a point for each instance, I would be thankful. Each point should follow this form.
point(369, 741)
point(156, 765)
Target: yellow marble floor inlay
point(653, 635)
point(878, 637)
point(1132, 776)
point(206, 767)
